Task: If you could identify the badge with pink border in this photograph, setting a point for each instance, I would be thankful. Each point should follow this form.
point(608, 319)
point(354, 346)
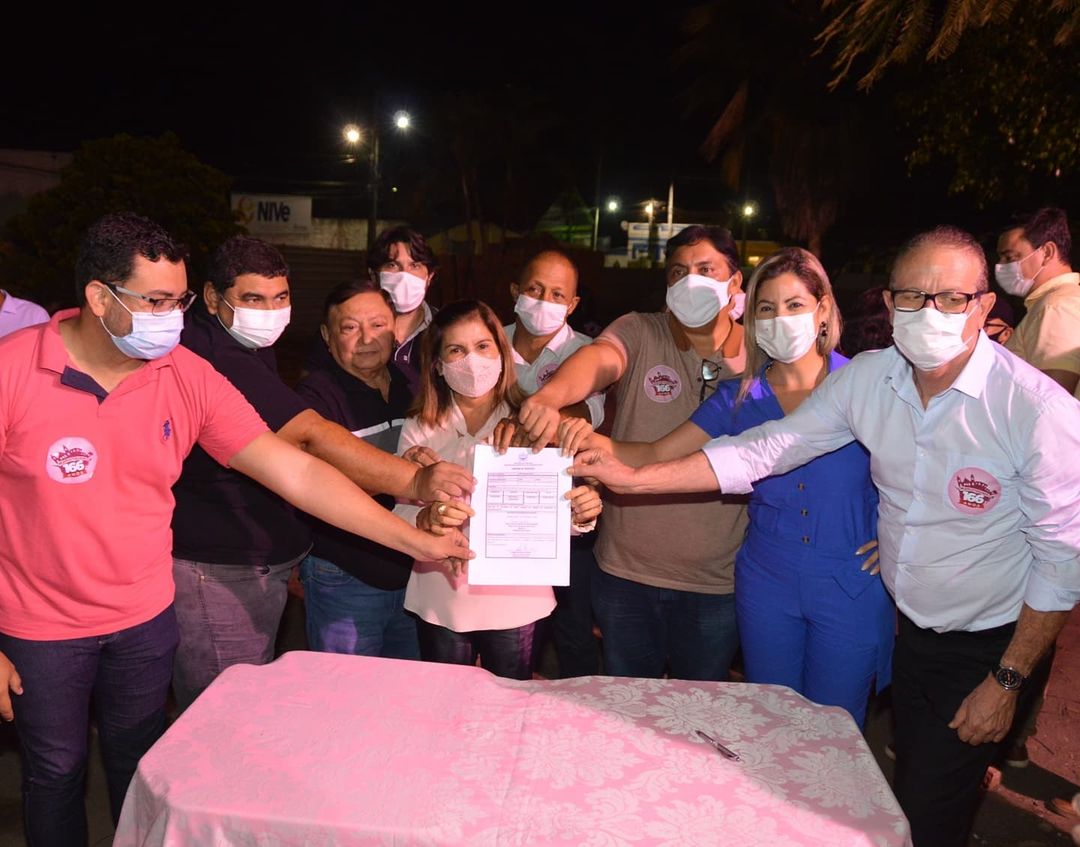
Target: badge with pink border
point(71, 460)
point(974, 491)
point(662, 384)
point(546, 372)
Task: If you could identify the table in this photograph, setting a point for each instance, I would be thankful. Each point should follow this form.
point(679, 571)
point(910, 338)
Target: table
point(321, 749)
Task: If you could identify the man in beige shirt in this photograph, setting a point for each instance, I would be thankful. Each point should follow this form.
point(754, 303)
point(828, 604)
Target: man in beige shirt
point(664, 594)
point(1034, 264)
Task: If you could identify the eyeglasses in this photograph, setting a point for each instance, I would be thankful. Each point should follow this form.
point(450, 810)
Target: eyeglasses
point(949, 302)
point(158, 305)
point(710, 372)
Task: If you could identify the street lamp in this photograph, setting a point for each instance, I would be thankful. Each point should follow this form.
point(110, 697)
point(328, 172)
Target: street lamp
point(612, 207)
point(748, 211)
point(353, 137)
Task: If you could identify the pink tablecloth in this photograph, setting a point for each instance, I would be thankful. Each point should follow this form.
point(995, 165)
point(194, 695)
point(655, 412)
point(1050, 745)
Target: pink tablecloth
point(319, 749)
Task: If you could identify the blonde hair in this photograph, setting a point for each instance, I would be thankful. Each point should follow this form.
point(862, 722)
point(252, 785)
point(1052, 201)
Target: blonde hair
point(434, 398)
point(808, 269)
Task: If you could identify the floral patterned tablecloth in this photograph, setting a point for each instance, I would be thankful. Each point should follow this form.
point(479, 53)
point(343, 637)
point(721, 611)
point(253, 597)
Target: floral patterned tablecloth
point(319, 749)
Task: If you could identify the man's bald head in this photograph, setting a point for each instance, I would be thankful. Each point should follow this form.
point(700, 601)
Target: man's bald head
point(549, 259)
point(949, 237)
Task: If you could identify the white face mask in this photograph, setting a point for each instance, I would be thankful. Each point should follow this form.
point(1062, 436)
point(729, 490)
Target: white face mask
point(539, 317)
point(929, 338)
point(152, 336)
point(695, 300)
point(255, 328)
point(786, 338)
point(472, 375)
point(1012, 279)
point(738, 305)
point(406, 290)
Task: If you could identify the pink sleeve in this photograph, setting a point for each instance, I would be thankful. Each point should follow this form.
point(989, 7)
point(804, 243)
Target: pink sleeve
point(230, 423)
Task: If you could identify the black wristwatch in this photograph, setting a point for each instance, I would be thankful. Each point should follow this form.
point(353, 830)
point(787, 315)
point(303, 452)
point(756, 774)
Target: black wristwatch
point(1009, 678)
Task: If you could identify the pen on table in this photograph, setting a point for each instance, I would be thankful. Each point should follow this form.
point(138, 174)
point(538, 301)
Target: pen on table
point(720, 748)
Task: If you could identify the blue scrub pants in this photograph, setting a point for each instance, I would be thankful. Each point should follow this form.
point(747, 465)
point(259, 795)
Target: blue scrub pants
point(812, 622)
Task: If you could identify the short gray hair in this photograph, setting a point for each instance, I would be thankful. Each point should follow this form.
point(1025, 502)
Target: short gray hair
point(947, 236)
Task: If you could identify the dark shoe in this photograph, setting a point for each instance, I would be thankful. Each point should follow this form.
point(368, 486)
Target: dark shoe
point(1017, 756)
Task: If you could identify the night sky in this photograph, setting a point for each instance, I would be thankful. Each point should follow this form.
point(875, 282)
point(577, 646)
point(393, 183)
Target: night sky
point(263, 96)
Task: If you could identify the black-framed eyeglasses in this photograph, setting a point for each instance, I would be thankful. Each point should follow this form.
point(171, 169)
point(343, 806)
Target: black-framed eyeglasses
point(710, 372)
point(949, 302)
point(159, 305)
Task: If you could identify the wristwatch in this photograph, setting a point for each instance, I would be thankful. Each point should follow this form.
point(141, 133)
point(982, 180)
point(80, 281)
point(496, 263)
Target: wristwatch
point(1009, 678)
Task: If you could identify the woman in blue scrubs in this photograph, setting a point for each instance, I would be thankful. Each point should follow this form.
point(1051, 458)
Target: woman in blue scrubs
point(812, 612)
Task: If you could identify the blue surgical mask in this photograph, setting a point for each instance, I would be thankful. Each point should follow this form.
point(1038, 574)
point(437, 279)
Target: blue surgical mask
point(152, 336)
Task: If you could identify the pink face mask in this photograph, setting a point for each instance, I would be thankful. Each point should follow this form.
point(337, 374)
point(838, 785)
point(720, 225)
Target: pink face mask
point(472, 375)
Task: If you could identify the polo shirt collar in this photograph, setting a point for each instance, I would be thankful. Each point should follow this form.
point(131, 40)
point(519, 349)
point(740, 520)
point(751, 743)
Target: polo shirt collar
point(53, 355)
point(556, 341)
point(421, 326)
point(8, 307)
point(1060, 281)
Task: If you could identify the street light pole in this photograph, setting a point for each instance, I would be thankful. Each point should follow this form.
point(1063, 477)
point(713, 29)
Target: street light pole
point(747, 213)
point(373, 215)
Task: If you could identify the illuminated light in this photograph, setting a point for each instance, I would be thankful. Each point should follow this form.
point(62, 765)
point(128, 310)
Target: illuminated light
point(402, 120)
point(748, 210)
point(352, 134)
point(613, 205)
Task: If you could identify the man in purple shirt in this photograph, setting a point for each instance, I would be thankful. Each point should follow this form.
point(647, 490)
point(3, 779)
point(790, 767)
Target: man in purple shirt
point(16, 313)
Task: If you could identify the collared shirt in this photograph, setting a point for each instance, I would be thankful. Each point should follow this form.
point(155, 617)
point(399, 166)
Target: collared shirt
point(222, 517)
point(564, 343)
point(435, 595)
point(86, 477)
point(980, 491)
point(16, 313)
point(340, 397)
point(407, 353)
point(1048, 338)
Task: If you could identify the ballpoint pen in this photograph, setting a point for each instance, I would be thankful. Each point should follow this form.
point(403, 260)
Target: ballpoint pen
point(716, 745)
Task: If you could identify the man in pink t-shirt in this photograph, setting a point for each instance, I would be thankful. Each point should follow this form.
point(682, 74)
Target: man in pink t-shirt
point(98, 409)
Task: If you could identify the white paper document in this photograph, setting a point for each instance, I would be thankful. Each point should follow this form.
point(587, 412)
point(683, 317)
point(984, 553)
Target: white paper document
point(521, 530)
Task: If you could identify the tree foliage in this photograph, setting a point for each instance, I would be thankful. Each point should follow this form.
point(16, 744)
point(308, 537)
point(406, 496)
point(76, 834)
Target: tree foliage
point(154, 177)
point(893, 32)
point(754, 70)
point(1002, 111)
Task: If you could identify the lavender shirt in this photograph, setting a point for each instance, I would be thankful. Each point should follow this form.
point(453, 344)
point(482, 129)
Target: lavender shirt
point(16, 314)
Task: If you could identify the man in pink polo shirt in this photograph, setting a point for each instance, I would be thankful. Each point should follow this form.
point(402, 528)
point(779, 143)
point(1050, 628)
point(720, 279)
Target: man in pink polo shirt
point(98, 409)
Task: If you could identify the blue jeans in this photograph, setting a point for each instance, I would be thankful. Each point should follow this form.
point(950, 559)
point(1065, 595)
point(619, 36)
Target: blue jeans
point(126, 674)
point(228, 615)
point(647, 629)
point(346, 615)
point(503, 652)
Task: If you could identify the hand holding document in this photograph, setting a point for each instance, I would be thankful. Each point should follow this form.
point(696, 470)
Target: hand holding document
point(521, 530)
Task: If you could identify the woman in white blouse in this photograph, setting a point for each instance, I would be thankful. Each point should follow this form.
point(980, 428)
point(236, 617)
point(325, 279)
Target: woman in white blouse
point(467, 385)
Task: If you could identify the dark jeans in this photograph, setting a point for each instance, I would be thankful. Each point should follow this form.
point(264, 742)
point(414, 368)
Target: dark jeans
point(127, 674)
point(938, 776)
point(646, 629)
point(503, 652)
point(572, 621)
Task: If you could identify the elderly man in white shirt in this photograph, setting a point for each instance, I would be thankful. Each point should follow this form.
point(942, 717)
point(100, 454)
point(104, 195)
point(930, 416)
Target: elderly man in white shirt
point(974, 453)
point(545, 295)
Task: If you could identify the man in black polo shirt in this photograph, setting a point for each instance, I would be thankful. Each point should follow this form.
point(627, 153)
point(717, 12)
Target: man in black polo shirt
point(234, 543)
point(354, 589)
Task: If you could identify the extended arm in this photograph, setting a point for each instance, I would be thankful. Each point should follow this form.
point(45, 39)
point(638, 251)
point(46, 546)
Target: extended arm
point(371, 468)
point(591, 369)
point(320, 490)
